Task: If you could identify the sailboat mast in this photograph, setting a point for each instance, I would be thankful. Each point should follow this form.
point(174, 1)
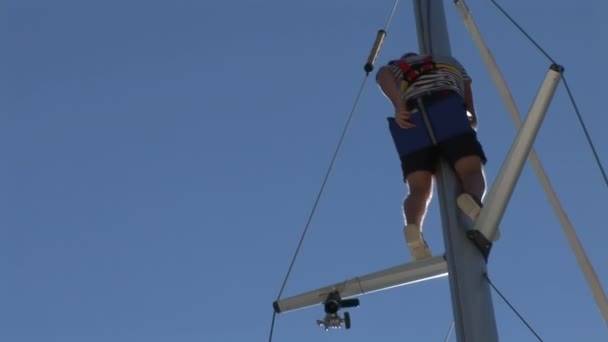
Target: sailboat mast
point(471, 297)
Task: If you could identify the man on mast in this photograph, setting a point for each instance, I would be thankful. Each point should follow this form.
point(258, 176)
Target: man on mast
point(441, 87)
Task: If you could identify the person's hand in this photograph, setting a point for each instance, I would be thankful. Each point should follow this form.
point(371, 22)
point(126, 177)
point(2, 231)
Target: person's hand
point(472, 120)
point(402, 117)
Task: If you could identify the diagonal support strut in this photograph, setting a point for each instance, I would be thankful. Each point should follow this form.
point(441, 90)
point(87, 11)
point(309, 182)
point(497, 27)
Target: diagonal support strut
point(567, 226)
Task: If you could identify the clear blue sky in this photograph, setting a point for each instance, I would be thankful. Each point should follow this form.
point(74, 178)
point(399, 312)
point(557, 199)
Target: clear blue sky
point(160, 158)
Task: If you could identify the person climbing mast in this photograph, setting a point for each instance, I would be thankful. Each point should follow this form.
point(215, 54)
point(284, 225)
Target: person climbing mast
point(440, 87)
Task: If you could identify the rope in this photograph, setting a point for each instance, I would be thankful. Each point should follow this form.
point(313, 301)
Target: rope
point(512, 307)
point(570, 96)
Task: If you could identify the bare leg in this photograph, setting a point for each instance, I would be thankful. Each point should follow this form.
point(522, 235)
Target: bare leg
point(420, 184)
point(469, 170)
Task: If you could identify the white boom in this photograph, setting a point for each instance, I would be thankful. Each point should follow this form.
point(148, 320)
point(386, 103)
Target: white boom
point(392, 277)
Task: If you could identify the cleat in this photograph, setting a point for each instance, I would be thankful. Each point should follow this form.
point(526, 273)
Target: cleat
point(472, 209)
point(415, 242)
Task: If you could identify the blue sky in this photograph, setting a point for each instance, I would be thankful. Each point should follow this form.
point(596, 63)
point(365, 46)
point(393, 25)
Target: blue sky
point(160, 159)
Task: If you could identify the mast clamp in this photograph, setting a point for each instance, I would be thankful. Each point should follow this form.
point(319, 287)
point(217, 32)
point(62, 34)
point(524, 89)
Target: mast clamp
point(481, 242)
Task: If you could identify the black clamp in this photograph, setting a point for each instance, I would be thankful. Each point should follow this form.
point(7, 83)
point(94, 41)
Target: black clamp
point(481, 242)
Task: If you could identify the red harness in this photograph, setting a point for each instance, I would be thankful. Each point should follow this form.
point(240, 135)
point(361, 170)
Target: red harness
point(410, 74)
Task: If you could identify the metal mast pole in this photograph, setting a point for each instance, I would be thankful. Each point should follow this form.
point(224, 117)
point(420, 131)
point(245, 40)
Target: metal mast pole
point(471, 297)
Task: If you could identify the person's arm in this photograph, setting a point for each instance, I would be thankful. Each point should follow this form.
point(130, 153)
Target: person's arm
point(388, 85)
point(468, 100)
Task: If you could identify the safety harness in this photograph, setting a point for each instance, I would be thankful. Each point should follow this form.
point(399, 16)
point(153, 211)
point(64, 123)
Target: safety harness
point(412, 72)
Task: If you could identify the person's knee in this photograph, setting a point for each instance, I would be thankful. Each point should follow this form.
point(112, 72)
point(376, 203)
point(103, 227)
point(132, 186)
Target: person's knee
point(469, 169)
point(420, 184)
point(469, 166)
point(421, 190)
point(470, 172)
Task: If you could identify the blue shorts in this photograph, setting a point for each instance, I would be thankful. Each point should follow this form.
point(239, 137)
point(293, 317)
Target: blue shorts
point(453, 132)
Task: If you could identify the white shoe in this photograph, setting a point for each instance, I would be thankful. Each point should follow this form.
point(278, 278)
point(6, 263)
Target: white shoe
point(415, 242)
point(471, 208)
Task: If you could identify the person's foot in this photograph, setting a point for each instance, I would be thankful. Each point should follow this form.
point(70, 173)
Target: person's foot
point(472, 209)
point(415, 242)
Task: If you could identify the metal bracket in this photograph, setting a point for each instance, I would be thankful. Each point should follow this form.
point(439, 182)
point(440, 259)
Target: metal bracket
point(481, 242)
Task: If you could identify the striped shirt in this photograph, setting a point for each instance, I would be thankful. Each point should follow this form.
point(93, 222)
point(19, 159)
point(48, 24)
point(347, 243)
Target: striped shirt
point(432, 81)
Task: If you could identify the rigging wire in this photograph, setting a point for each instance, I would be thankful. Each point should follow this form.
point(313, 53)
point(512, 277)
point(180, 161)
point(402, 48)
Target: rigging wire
point(274, 318)
point(587, 135)
point(570, 95)
point(324, 183)
point(375, 52)
point(521, 29)
point(449, 334)
point(318, 198)
point(512, 307)
point(390, 17)
point(371, 60)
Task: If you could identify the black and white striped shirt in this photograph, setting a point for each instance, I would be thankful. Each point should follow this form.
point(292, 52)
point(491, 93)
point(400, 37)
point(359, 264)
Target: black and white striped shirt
point(435, 80)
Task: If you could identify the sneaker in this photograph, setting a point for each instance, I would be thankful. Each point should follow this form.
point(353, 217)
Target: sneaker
point(469, 206)
point(472, 209)
point(415, 242)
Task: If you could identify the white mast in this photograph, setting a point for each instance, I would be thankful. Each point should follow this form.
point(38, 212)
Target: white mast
point(471, 297)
